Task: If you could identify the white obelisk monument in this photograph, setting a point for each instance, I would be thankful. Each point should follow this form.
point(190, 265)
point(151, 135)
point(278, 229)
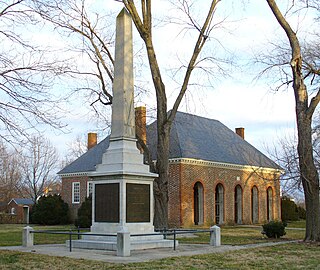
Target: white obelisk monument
point(122, 171)
point(122, 184)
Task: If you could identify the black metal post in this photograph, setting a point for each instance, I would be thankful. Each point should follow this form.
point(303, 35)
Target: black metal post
point(78, 232)
point(174, 239)
point(70, 241)
point(165, 233)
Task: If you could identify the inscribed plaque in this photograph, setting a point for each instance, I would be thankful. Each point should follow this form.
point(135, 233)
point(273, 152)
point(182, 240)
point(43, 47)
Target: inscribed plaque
point(107, 203)
point(138, 203)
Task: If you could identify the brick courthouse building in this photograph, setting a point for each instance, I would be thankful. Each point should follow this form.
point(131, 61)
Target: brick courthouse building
point(215, 176)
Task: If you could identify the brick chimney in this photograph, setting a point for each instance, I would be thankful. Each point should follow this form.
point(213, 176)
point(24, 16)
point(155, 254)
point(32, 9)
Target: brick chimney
point(140, 118)
point(92, 140)
point(240, 132)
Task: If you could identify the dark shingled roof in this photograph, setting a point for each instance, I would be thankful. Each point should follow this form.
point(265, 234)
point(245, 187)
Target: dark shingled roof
point(23, 201)
point(191, 137)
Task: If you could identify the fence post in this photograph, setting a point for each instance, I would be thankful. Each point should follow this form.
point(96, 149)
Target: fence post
point(27, 236)
point(70, 240)
point(215, 236)
point(123, 244)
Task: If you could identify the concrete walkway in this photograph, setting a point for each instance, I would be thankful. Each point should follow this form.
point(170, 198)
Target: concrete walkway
point(136, 255)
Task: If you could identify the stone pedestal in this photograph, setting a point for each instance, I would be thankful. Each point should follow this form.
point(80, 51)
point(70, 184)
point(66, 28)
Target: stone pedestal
point(27, 236)
point(215, 236)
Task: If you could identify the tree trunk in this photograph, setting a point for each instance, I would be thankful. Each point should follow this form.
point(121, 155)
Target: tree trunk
point(304, 112)
point(161, 183)
point(165, 119)
point(309, 176)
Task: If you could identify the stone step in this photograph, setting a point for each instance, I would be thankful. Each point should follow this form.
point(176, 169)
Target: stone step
point(112, 245)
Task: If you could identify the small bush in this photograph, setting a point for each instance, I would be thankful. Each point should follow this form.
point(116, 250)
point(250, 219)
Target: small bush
point(50, 210)
point(274, 229)
point(84, 219)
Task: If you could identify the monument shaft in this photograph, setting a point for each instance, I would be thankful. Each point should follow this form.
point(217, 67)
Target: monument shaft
point(123, 125)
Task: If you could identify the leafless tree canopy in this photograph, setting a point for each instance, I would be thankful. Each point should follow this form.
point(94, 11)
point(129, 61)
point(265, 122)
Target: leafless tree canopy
point(93, 31)
point(10, 174)
point(26, 75)
point(39, 162)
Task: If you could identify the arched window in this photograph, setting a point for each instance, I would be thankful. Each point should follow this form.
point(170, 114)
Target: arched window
point(269, 204)
point(238, 205)
point(254, 205)
point(198, 203)
point(219, 204)
point(13, 211)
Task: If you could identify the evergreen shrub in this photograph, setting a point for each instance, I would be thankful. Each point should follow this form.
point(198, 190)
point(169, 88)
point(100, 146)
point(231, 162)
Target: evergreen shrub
point(274, 229)
point(84, 219)
point(50, 210)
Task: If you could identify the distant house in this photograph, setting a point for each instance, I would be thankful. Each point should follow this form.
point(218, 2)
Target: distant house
point(20, 209)
point(215, 176)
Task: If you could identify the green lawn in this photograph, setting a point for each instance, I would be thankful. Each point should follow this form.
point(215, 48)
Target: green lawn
point(241, 235)
point(11, 235)
point(286, 256)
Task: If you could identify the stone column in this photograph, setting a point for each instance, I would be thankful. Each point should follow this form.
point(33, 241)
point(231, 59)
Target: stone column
point(27, 236)
point(215, 236)
point(123, 125)
point(123, 244)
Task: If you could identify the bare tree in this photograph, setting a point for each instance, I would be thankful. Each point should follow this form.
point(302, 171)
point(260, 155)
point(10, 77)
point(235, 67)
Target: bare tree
point(72, 17)
point(9, 173)
point(304, 113)
point(39, 161)
point(144, 26)
point(89, 36)
point(26, 75)
point(76, 148)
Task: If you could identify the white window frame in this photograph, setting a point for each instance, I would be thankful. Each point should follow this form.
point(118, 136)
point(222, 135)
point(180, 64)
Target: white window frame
point(75, 192)
point(89, 188)
point(13, 211)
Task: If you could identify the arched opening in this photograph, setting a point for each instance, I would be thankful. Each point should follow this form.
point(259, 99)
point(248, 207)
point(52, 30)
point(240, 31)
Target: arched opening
point(238, 205)
point(26, 214)
point(219, 204)
point(198, 203)
point(254, 205)
point(269, 204)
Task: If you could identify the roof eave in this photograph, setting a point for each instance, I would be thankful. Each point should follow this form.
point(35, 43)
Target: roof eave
point(225, 165)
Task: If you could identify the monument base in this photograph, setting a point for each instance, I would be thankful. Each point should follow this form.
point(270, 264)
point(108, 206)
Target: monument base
point(110, 242)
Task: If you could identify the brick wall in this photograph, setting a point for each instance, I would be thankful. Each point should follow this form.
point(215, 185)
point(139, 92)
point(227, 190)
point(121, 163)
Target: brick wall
point(183, 177)
point(66, 193)
point(174, 205)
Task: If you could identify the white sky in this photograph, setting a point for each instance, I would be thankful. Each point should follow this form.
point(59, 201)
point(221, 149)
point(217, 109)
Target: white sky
point(236, 102)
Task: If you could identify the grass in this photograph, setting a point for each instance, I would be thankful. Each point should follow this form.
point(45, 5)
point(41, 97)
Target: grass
point(287, 256)
point(242, 235)
point(11, 234)
point(297, 224)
